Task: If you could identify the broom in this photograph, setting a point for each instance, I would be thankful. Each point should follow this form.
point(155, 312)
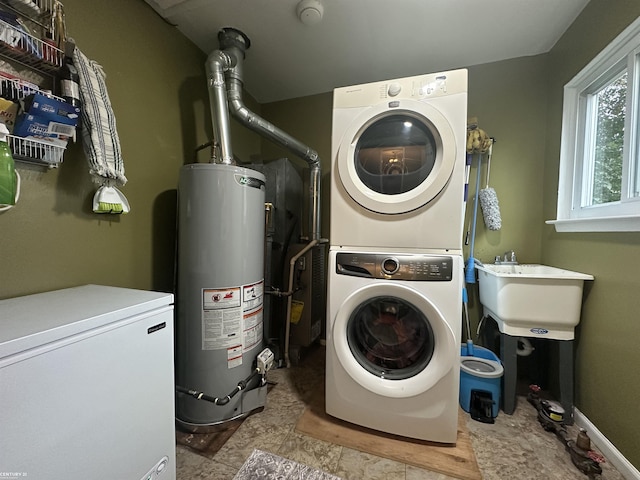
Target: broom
point(489, 200)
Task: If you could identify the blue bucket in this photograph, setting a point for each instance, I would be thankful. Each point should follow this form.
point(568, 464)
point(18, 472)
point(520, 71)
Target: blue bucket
point(480, 369)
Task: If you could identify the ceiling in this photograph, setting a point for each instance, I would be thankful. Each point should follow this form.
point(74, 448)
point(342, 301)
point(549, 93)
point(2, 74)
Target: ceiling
point(360, 41)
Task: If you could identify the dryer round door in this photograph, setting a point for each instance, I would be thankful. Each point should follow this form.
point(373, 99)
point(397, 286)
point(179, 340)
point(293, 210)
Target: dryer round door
point(394, 161)
point(393, 341)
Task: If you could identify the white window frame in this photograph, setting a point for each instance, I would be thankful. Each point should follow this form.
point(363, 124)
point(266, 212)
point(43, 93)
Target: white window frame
point(622, 216)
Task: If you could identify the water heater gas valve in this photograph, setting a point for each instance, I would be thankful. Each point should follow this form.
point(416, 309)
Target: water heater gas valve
point(265, 361)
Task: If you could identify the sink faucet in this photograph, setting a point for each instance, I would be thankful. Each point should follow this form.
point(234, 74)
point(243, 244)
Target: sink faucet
point(509, 258)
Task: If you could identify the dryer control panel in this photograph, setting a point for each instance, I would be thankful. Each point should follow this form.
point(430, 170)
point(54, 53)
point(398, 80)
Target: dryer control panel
point(407, 267)
point(395, 91)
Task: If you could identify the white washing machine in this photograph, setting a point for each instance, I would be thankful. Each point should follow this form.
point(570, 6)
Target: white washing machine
point(398, 163)
point(393, 342)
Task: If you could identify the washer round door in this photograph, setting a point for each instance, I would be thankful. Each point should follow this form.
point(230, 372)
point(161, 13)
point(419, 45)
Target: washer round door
point(396, 160)
point(393, 341)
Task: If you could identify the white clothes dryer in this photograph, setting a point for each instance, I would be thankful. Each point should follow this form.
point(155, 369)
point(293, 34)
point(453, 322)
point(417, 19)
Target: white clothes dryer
point(398, 163)
point(393, 342)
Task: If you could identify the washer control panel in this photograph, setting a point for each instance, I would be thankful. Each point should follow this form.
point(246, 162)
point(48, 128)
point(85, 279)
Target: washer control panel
point(407, 267)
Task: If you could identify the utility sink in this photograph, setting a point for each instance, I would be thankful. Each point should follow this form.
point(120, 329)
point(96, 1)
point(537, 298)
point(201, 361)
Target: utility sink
point(532, 300)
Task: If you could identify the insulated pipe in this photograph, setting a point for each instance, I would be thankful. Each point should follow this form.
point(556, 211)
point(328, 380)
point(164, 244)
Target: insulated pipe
point(216, 65)
point(235, 43)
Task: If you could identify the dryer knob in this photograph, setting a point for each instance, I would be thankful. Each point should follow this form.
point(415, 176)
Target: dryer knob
point(394, 89)
point(390, 265)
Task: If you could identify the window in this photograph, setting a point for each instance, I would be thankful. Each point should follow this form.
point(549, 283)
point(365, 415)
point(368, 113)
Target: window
point(599, 183)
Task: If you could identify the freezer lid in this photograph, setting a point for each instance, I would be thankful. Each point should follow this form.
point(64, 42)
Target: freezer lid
point(33, 320)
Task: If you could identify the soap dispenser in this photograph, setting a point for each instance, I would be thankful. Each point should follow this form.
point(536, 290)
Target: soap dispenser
point(9, 178)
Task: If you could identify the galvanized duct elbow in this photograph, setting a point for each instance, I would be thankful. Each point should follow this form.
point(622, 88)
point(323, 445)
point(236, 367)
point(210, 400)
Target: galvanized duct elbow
point(278, 136)
point(217, 63)
point(237, 43)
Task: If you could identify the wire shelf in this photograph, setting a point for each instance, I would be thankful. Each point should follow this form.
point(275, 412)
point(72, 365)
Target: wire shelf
point(33, 9)
point(36, 151)
point(27, 149)
point(16, 89)
point(28, 50)
point(33, 36)
point(30, 33)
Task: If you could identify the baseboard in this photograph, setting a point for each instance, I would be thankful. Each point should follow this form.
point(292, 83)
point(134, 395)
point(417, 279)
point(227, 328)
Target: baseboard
point(607, 448)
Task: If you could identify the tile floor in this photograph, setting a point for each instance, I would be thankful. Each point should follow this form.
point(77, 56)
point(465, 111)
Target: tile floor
point(515, 447)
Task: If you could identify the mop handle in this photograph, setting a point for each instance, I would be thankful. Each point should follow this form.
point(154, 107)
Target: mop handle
point(475, 207)
point(489, 161)
point(467, 167)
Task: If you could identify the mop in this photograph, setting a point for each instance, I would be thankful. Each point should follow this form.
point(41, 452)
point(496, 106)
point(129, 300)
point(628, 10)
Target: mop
point(489, 200)
point(477, 142)
point(465, 304)
point(470, 275)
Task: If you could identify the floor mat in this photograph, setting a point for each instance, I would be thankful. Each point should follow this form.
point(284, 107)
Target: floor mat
point(456, 461)
point(262, 464)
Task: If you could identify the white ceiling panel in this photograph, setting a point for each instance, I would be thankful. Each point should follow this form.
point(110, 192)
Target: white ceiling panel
point(359, 41)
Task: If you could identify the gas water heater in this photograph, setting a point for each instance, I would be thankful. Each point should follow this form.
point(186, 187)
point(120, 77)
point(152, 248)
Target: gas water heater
point(221, 243)
point(220, 294)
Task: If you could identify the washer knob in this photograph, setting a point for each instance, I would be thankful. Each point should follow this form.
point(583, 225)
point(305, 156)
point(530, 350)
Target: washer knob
point(394, 89)
point(390, 265)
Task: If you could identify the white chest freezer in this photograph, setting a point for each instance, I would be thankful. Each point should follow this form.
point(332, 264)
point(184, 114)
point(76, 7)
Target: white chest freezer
point(87, 385)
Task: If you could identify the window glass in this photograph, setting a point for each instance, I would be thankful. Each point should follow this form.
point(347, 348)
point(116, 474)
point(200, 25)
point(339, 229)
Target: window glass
point(605, 182)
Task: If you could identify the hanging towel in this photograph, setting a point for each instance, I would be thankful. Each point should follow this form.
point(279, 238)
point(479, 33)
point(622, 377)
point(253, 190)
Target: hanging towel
point(99, 135)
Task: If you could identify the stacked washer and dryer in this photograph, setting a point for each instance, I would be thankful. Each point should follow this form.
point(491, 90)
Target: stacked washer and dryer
point(394, 313)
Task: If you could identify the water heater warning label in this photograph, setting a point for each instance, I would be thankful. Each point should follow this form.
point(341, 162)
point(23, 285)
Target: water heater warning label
point(221, 318)
point(221, 298)
point(252, 297)
point(234, 356)
point(232, 320)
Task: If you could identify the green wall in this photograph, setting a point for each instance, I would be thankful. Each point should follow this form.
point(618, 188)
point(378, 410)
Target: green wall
point(519, 103)
point(157, 86)
point(607, 387)
point(509, 100)
point(156, 83)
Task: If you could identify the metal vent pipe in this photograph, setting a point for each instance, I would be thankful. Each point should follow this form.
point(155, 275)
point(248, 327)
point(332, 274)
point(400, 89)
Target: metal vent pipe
point(216, 64)
point(226, 64)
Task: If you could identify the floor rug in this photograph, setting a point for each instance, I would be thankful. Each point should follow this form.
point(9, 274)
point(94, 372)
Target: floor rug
point(456, 461)
point(268, 465)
